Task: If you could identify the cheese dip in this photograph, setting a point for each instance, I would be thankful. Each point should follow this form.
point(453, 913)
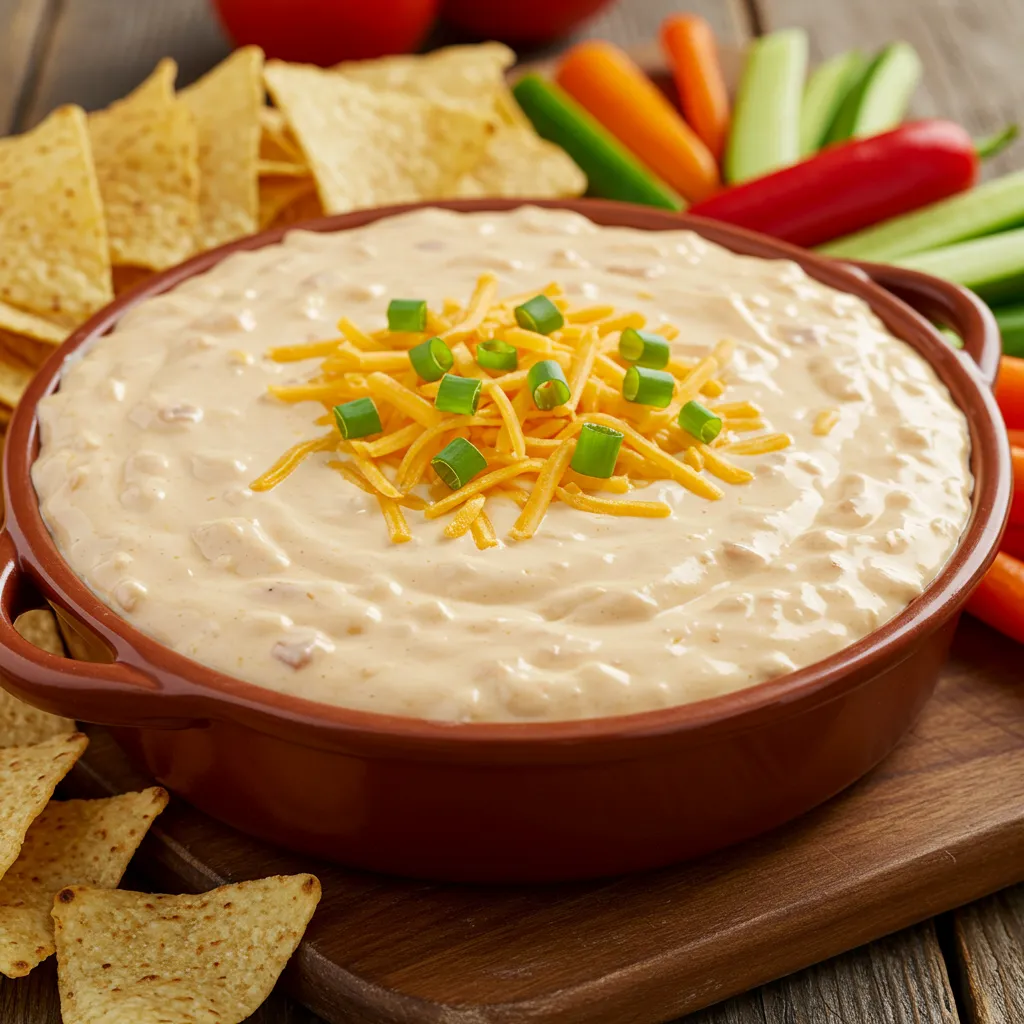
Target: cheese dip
point(150, 445)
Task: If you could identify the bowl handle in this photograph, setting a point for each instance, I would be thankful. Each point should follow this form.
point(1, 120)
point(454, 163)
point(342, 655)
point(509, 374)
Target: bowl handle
point(109, 693)
point(947, 304)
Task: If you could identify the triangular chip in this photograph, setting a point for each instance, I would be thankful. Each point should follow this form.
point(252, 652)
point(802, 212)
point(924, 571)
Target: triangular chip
point(371, 148)
point(472, 74)
point(226, 105)
point(145, 152)
point(28, 325)
point(276, 140)
point(520, 164)
point(276, 194)
point(39, 627)
point(282, 168)
point(20, 723)
point(28, 775)
point(53, 242)
point(15, 377)
point(133, 958)
point(73, 842)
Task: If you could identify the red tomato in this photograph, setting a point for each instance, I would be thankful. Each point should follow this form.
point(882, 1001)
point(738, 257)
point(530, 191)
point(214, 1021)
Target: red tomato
point(327, 31)
point(519, 21)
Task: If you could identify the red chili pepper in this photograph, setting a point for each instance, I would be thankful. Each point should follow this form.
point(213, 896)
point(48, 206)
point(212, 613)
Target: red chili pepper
point(852, 185)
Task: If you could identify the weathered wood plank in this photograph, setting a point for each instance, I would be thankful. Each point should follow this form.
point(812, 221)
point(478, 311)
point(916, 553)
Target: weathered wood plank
point(990, 949)
point(23, 26)
point(898, 980)
point(31, 1000)
point(971, 50)
point(636, 22)
point(102, 49)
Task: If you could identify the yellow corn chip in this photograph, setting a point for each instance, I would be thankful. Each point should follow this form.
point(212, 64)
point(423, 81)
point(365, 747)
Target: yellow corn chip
point(368, 148)
point(520, 164)
point(39, 627)
point(145, 152)
point(282, 168)
point(53, 241)
point(306, 207)
point(28, 775)
point(472, 75)
point(73, 842)
point(14, 379)
point(20, 723)
point(276, 141)
point(133, 958)
point(226, 105)
point(276, 194)
point(15, 322)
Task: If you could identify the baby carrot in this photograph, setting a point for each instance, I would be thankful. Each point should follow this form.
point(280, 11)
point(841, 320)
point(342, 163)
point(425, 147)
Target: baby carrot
point(1017, 506)
point(605, 81)
point(999, 599)
point(690, 47)
point(1010, 391)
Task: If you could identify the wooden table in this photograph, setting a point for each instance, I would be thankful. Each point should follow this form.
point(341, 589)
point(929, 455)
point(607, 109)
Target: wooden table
point(967, 966)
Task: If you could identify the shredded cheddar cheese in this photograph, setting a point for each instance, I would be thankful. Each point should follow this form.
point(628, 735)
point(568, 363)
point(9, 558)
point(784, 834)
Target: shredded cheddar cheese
point(517, 439)
point(825, 421)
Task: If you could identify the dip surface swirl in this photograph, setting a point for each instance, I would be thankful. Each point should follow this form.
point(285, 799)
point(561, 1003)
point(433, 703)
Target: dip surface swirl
point(148, 447)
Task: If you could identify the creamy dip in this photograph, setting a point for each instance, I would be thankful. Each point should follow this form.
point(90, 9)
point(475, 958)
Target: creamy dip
point(149, 445)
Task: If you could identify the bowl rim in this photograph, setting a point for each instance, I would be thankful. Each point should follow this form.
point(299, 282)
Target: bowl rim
point(220, 695)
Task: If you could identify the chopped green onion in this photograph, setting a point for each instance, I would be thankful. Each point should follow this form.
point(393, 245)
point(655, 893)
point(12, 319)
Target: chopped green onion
point(460, 395)
point(648, 387)
point(702, 423)
point(539, 314)
point(547, 384)
point(644, 349)
point(497, 355)
point(596, 450)
point(458, 462)
point(431, 359)
point(358, 418)
point(407, 315)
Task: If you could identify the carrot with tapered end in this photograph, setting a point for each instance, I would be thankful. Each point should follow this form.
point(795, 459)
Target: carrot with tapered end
point(689, 44)
point(999, 599)
point(601, 78)
point(1017, 505)
point(1010, 391)
point(1013, 542)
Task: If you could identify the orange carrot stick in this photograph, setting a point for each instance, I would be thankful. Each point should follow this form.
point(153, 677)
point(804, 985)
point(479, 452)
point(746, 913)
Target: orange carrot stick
point(1013, 542)
point(690, 47)
point(1010, 391)
point(605, 81)
point(999, 599)
point(1016, 438)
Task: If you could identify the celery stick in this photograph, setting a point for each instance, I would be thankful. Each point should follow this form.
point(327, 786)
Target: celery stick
point(1011, 326)
point(612, 171)
point(765, 131)
point(993, 266)
point(824, 93)
point(880, 99)
point(984, 210)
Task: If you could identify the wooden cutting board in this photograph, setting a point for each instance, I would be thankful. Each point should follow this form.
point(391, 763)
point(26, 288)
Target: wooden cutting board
point(938, 824)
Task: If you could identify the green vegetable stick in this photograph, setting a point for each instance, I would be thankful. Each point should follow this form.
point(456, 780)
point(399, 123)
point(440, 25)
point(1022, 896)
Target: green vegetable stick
point(824, 93)
point(880, 99)
point(765, 131)
point(612, 172)
point(993, 206)
point(1011, 326)
point(993, 266)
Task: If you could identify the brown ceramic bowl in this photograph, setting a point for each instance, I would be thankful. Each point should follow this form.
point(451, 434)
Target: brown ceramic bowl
point(514, 802)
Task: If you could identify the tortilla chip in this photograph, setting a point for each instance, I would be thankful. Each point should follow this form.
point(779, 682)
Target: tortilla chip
point(53, 240)
point(369, 148)
point(282, 168)
point(15, 377)
point(520, 164)
point(276, 140)
point(276, 194)
point(74, 842)
point(306, 207)
point(28, 775)
point(145, 151)
point(15, 322)
point(226, 105)
point(129, 957)
point(471, 75)
point(21, 724)
point(39, 628)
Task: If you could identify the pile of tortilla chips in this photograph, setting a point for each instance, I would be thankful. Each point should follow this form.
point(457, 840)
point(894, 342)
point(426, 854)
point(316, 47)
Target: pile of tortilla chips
point(93, 203)
point(121, 956)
